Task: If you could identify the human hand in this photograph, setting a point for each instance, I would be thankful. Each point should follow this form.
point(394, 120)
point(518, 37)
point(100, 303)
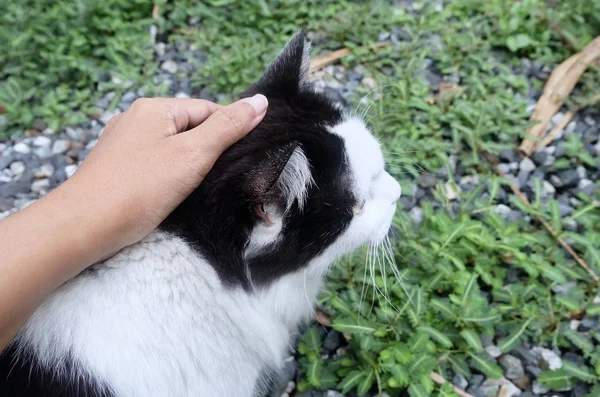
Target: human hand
point(150, 158)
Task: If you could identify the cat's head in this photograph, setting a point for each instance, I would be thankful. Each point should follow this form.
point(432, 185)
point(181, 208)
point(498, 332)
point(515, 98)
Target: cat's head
point(305, 187)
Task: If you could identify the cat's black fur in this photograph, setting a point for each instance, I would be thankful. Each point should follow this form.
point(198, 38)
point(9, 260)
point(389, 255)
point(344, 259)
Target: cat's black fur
point(217, 218)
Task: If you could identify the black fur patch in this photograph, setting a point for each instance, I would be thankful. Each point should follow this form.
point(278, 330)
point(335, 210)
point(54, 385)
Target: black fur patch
point(218, 218)
point(21, 376)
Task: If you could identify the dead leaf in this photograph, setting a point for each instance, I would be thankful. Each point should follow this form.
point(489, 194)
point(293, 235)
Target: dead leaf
point(557, 89)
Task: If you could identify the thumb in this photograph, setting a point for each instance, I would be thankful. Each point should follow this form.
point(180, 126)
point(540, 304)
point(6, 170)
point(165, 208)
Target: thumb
point(225, 126)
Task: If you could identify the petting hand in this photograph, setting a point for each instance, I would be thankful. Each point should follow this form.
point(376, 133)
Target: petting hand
point(148, 160)
point(151, 157)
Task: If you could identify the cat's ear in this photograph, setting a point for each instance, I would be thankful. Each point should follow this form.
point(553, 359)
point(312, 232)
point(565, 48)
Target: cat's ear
point(280, 179)
point(288, 73)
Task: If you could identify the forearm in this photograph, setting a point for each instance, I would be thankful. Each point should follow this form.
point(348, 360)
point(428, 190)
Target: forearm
point(42, 247)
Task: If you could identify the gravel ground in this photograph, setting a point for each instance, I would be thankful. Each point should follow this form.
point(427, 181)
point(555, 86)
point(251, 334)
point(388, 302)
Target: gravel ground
point(37, 161)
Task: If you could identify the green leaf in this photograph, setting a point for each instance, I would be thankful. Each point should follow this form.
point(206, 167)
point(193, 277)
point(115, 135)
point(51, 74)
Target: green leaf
point(314, 372)
point(517, 42)
point(416, 390)
point(472, 340)
point(512, 340)
point(436, 335)
point(578, 371)
point(556, 380)
point(366, 383)
point(312, 339)
point(459, 365)
point(486, 366)
point(568, 303)
point(358, 326)
point(350, 381)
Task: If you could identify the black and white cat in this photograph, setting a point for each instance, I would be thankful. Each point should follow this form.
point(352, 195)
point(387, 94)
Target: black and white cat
point(212, 300)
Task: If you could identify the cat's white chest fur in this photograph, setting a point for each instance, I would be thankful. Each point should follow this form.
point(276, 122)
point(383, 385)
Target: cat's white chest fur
point(155, 320)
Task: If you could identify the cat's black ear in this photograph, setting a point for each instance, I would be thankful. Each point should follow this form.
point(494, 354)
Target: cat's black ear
point(281, 178)
point(288, 73)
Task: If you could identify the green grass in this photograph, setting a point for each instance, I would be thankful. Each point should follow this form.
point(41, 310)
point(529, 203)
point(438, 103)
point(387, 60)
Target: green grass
point(453, 266)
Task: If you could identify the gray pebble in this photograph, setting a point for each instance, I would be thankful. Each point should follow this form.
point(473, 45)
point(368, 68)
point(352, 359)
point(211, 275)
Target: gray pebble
point(512, 366)
point(70, 170)
point(41, 141)
point(17, 168)
point(589, 120)
point(331, 341)
point(22, 148)
point(493, 351)
point(538, 388)
point(564, 209)
point(106, 116)
point(556, 181)
point(416, 214)
point(45, 171)
point(460, 382)
point(6, 204)
point(526, 165)
point(569, 177)
point(169, 66)
point(74, 133)
point(41, 185)
point(427, 180)
point(548, 358)
point(509, 156)
point(586, 186)
point(548, 188)
point(61, 146)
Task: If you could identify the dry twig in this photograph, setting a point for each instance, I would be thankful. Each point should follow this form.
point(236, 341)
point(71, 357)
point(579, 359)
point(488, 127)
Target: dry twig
point(440, 380)
point(546, 225)
point(332, 57)
point(558, 87)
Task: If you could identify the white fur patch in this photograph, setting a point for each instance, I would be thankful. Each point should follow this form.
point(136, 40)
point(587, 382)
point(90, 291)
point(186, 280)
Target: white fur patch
point(295, 179)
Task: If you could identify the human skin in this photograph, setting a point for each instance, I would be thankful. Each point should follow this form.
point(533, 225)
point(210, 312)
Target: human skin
point(148, 160)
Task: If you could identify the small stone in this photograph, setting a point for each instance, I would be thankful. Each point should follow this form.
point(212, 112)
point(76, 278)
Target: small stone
point(41, 185)
point(169, 66)
point(43, 152)
point(569, 177)
point(22, 148)
point(589, 120)
point(547, 358)
point(526, 165)
point(505, 387)
point(493, 351)
point(17, 168)
point(556, 181)
point(452, 190)
point(512, 366)
point(416, 214)
point(106, 116)
point(61, 146)
point(331, 341)
point(128, 97)
point(70, 170)
point(383, 36)
point(369, 82)
point(333, 393)
point(564, 209)
point(460, 382)
point(427, 180)
point(13, 188)
point(91, 144)
point(6, 204)
point(74, 133)
point(181, 95)
point(522, 382)
point(509, 156)
point(589, 322)
point(548, 188)
point(5, 175)
point(504, 167)
point(472, 180)
point(45, 171)
point(586, 186)
point(502, 210)
point(538, 388)
point(41, 140)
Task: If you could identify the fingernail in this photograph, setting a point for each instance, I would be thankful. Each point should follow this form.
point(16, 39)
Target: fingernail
point(259, 103)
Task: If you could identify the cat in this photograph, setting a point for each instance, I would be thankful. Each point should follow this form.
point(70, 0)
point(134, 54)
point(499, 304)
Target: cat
point(212, 300)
